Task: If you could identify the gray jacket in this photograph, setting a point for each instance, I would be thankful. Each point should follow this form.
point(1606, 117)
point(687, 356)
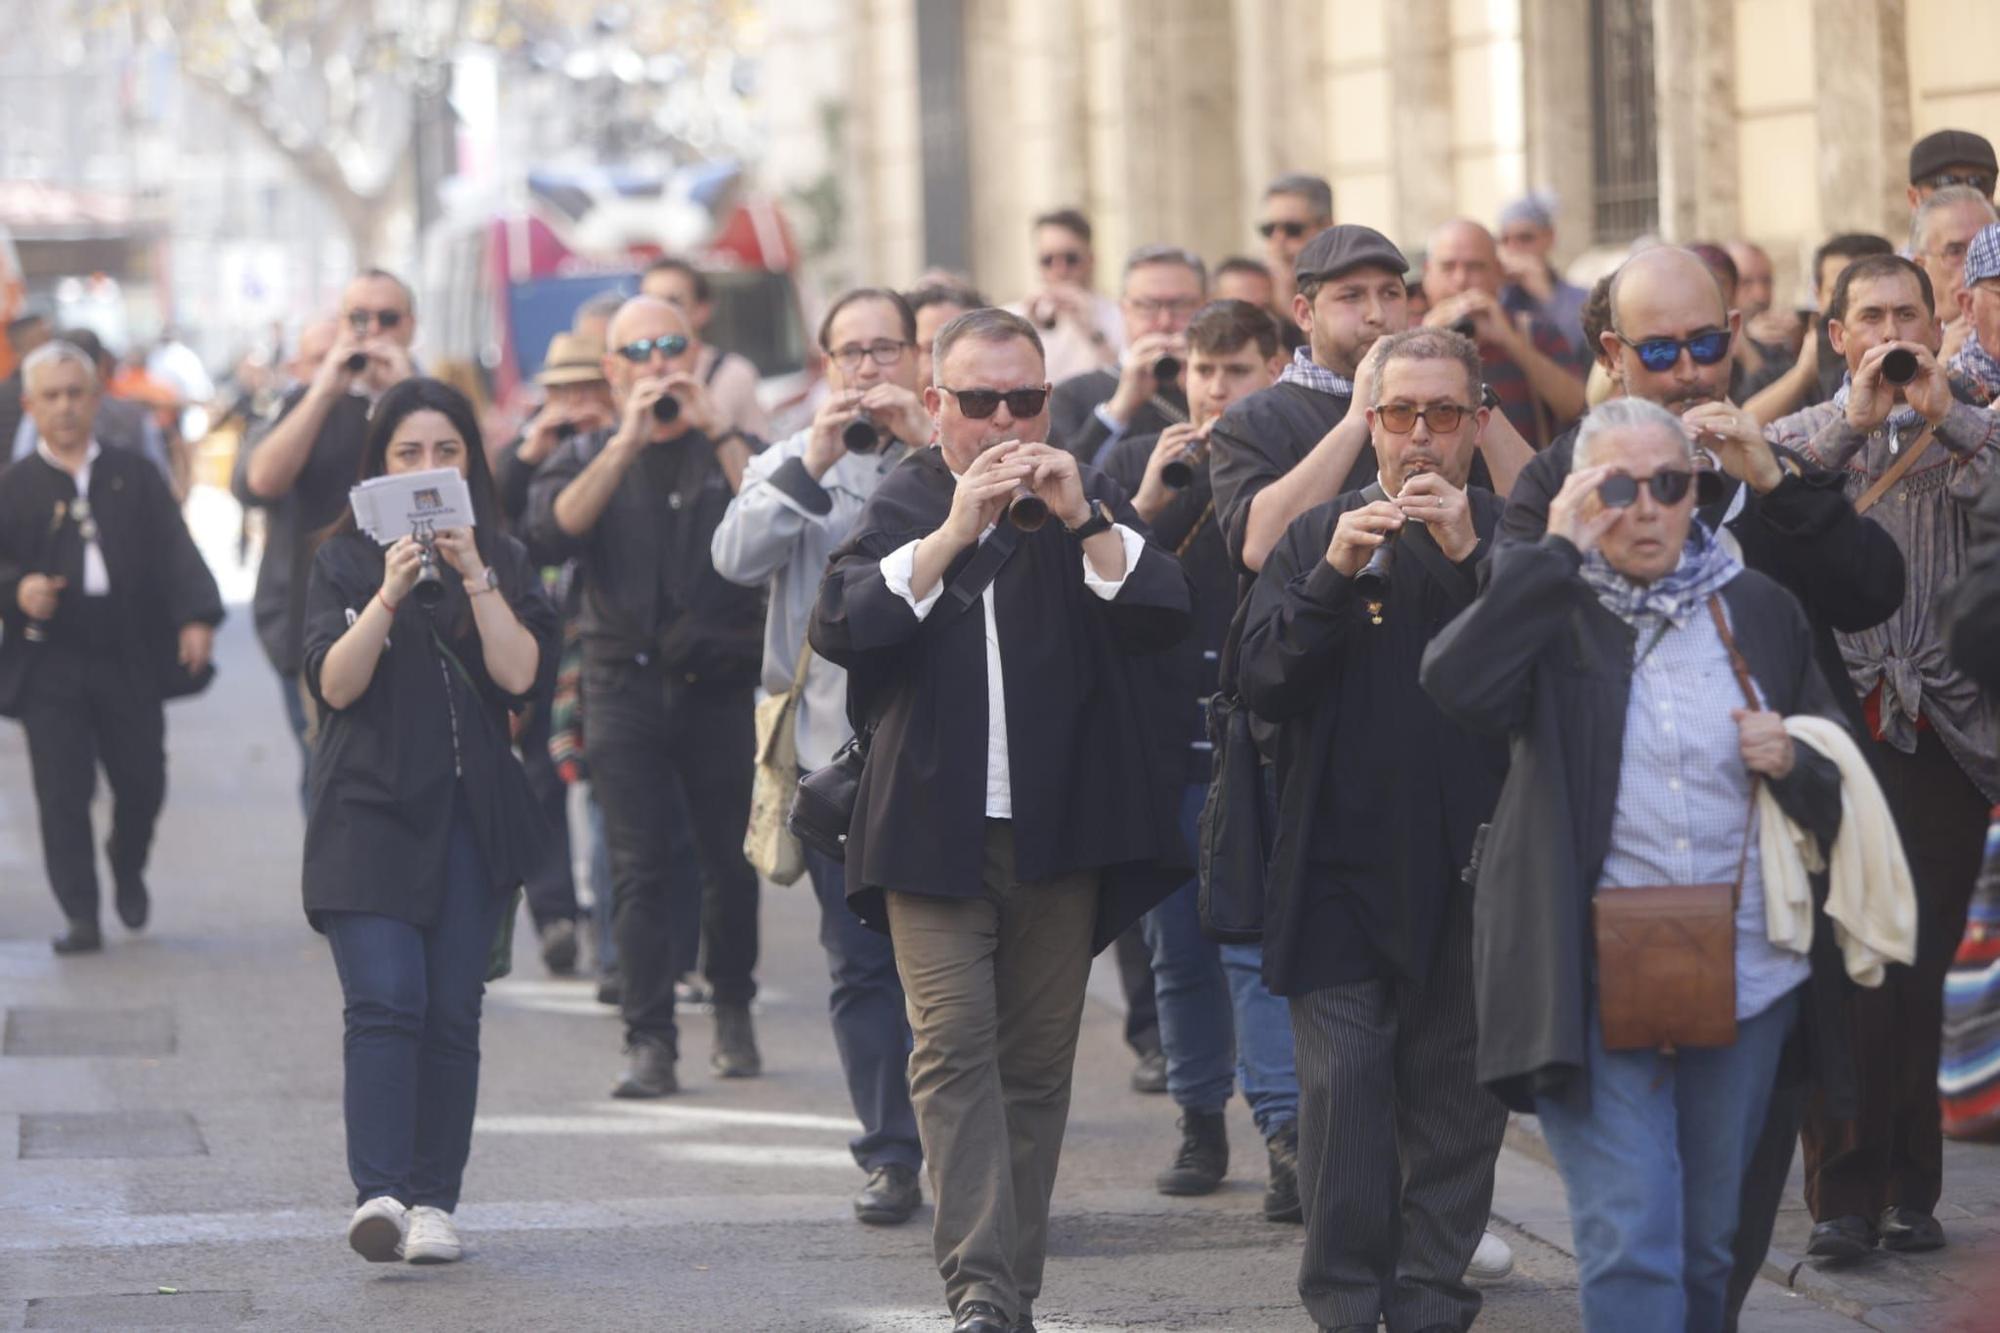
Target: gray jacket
point(781, 529)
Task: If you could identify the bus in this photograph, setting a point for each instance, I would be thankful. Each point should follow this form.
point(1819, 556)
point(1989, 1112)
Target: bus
point(499, 283)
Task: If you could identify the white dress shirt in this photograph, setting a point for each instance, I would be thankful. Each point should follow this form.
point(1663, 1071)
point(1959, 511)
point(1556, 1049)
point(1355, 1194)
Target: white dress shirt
point(897, 568)
point(96, 578)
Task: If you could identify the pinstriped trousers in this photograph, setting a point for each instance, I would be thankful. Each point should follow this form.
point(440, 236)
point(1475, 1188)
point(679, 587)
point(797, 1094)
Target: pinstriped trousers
point(1397, 1141)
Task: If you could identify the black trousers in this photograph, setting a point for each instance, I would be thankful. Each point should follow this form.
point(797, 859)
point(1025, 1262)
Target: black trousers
point(1397, 1142)
point(82, 709)
point(551, 886)
point(671, 765)
point(1135, 978)
point(1893, 1153)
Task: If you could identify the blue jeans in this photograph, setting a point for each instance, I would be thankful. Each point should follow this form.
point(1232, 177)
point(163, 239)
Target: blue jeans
point(412, 1046)
point(1654, 1168)
point(871, 1025)
point(1202, 987)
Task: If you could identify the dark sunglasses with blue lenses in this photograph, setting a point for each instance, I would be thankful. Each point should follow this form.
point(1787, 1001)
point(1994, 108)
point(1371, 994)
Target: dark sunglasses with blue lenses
point(1660, 354)
point(670, 346)
point(1619, 491)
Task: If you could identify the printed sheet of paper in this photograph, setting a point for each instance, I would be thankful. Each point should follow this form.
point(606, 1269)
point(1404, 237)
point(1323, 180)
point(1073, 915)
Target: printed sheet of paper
point(407, 503)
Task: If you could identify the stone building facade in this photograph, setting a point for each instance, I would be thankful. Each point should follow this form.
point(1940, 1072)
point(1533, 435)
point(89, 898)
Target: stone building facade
point(928, 132)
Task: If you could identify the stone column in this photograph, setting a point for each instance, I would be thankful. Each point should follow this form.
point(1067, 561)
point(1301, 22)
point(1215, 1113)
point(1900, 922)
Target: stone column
point(1694, 91)
point(1555, 70)
point(1862, 106)
point(1420, 129)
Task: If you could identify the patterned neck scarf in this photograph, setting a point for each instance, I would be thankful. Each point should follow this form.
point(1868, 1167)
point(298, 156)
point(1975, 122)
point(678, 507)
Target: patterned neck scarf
point(1902, 420)
point(1706, 565)
point(1304, 370)
point(1975, 362)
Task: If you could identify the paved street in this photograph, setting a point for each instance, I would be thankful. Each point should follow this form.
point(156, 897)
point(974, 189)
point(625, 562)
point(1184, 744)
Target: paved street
point(176, 1106)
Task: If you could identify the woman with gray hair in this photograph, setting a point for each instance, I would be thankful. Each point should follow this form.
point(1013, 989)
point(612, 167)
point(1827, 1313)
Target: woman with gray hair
point(1610, 652)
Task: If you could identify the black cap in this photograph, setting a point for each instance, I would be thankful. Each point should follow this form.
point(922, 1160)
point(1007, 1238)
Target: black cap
point(1347, 246)
point(1950, 148)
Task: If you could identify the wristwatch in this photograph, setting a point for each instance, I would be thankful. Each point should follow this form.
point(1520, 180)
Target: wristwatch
point(1099, 521)
point(1488, 397)
point(487, 582)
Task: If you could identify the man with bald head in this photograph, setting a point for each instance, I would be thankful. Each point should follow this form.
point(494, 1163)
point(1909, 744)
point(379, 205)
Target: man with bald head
point(1669, 343)
point(671, 653)
point(301, 469)
point(1534, 371)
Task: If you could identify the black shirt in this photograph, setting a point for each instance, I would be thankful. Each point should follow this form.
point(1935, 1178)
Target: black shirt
point(1187, 527)
point(294, 521)
point(1379, 794)
point(1073, 422)
point(1265, 436)
point(650, 590)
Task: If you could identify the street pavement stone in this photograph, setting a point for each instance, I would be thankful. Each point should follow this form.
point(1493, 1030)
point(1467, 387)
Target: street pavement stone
point(726, 1208)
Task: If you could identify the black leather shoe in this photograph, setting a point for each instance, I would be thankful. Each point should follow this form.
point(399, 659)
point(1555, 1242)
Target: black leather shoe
point(1841, 1238)
point(1281, 1195)
point(735, 1054)
point(889, 1197)
point(1025, 1324)
point(559, 947)
point(1150, 1074)
point(650, 1073)
point(980, 1317)
point(610, 991)
point(81, 937)
point(1907, 1231)
point(1203, 1158)
point(133, 902)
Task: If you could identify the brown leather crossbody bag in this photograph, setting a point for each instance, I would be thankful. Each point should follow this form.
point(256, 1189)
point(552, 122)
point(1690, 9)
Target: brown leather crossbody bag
point(1666, 953)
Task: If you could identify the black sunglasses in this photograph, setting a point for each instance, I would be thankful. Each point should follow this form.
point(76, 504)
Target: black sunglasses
point(1292, 230)
point(979, 404)
point(1067, 258)
point(359, 320)
point(1669, 487)
point(1660, 354)
point(670, 346)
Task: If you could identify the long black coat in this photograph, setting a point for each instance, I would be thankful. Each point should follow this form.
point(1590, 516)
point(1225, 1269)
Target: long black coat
point(1539, 659)
point(1095, 777)
point(1972, 605)
point(158, 580)
point(382, 781)
point(1361, 749)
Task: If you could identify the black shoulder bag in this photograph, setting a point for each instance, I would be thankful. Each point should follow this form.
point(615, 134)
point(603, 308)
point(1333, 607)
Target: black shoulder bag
point(1234, 832)
point(823, 810)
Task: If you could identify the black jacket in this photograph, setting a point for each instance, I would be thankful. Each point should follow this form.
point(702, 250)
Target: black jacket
point(1538, 659)
point(158, 582)
point(388, 767)
point(1073, 423)
point(1091, 784)
point(650, 591)
point(1379, 794)
point(1845, 571)
point(1971, 607)
point(1265, 436)
point(294, 521)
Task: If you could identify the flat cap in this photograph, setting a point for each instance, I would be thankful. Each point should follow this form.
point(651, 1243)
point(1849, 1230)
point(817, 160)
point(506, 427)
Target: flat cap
point(1348, 246)
point(1949, 148)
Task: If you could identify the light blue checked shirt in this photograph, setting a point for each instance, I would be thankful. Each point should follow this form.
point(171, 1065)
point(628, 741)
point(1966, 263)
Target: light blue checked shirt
point(1683, 791)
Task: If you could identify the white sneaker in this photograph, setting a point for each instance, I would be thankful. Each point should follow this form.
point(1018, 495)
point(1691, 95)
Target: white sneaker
point(376, 1231)
point(1492, 1261)
point(431, 1238)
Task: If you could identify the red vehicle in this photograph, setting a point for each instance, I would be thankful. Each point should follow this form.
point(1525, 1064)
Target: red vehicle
point(500, 284)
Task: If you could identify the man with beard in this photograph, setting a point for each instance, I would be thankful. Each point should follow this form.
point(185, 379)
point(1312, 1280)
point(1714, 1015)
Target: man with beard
point(1280, 451)
point(1379, 800)
point(1669, 341)
point(1876, 1177)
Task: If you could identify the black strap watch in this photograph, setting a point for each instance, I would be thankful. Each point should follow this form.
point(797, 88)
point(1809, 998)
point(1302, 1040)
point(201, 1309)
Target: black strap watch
point(1100, 520)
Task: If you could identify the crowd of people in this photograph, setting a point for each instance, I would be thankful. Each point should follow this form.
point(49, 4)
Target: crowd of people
point(1448, 689)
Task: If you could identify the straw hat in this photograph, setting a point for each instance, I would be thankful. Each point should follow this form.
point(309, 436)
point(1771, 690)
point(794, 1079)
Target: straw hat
point(573, 358)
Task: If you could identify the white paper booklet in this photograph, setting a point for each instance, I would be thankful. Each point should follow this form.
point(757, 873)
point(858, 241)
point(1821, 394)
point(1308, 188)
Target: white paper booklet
point(408, 503)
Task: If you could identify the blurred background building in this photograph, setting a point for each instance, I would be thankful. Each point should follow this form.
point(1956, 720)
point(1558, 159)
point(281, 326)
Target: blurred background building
point(947, 124)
